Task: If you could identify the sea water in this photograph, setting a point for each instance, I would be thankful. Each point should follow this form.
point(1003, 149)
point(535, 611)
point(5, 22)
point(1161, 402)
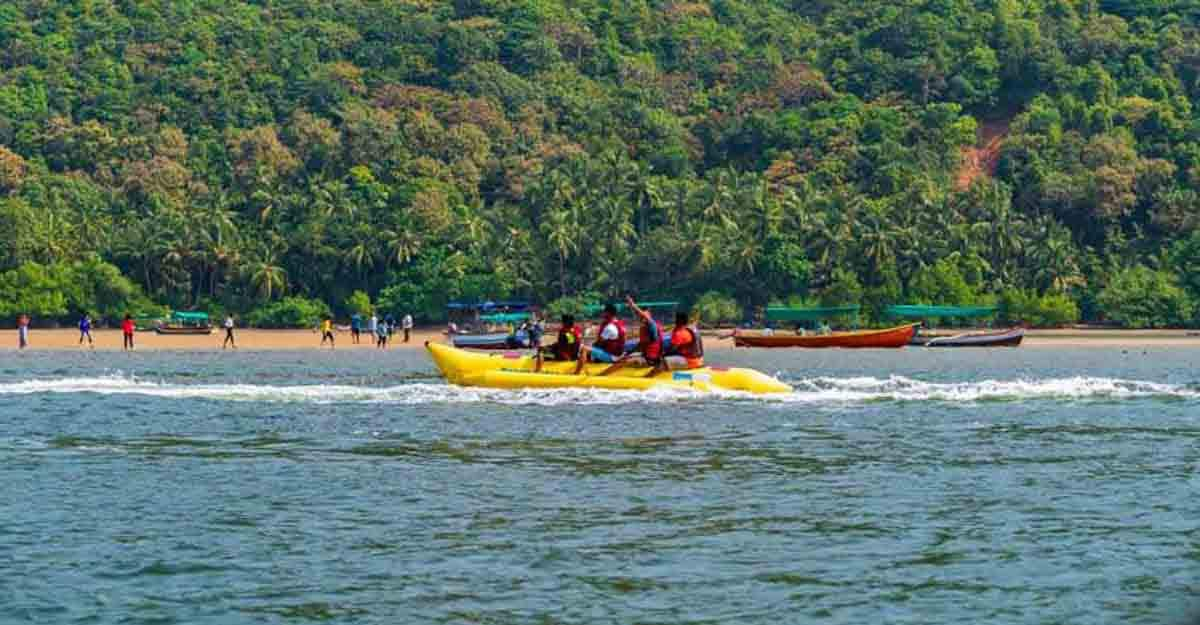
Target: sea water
point(1028, 485)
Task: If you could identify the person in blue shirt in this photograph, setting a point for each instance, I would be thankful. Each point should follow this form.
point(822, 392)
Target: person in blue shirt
point(85, 330)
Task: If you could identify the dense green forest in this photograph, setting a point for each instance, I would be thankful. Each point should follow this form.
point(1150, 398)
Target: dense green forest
point(225, 155)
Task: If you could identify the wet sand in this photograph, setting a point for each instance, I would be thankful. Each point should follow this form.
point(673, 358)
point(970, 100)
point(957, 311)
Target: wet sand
point(252, 340)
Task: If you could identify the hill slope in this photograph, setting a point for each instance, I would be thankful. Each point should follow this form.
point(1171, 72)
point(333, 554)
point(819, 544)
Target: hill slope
point(224, 154)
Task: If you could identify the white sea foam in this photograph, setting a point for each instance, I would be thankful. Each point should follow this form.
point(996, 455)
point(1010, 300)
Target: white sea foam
point(902, 389)
point(809, 390)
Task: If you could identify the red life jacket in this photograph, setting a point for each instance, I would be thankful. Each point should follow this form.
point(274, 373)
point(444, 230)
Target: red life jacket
point(567, 345)
point(693, 349)
point(650, 342)
point(616, 346)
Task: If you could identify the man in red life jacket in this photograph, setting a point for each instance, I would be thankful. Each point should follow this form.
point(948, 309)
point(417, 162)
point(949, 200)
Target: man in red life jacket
point(566, 347)
point(649, 344)
point(610, 342)
point(685, 350)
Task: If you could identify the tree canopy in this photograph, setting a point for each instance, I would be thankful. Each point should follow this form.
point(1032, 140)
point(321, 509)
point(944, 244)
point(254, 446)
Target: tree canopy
point(225, 155)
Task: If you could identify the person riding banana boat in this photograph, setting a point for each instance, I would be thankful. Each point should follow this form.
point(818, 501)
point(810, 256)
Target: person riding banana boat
point(566, 347)
point(610, 341)
point(647, 350)
point(682, 349)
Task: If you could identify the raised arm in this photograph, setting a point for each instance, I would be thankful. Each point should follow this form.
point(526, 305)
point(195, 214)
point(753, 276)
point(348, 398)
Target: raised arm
point(634, 307)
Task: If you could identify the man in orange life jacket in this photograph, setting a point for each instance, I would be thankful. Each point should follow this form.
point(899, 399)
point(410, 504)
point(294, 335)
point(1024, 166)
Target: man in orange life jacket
point(610, 342)
point(649, 344)
point(566, 347)
point(684, 350)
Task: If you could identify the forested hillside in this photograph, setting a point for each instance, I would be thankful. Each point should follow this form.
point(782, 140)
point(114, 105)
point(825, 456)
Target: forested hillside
point(224, 154)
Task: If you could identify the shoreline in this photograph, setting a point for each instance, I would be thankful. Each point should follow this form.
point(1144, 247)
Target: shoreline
point(65, 339)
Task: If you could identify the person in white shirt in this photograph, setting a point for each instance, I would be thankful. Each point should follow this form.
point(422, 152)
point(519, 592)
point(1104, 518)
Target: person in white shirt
point(407, 325)
point(228, 333)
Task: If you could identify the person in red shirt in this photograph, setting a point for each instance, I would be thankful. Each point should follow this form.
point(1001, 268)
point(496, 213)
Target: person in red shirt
point(127, 331)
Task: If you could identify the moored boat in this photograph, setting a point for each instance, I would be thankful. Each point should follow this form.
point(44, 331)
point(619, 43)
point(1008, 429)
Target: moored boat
point(185, 323)
point(516, 371)
point(898, 336)
point(495, 341)
point(1001, 338)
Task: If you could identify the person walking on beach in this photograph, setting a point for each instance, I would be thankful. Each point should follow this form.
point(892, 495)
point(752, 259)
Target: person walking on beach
point(407, 324)
point(85, 330)
point(355, 328)
point(373, 327)
point(127, 332)
point(228, 333)
point(327, 332)
point(381, 334)
point(23, 331)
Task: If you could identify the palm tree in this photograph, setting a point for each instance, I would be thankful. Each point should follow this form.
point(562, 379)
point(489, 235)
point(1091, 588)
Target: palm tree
point(266, 276)
point(561, 234)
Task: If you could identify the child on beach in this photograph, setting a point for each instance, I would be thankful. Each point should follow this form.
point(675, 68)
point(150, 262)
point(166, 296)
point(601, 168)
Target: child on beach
point(23, 331)
point(85, 330)
point(127, 332)
point(407, 324)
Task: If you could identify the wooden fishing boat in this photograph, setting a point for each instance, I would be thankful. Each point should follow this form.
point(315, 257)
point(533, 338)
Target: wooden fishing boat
point(898, 336)
point(1001, 338)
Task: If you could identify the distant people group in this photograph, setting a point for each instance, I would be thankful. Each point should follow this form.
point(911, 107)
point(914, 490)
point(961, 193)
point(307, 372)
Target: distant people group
point(380, 330)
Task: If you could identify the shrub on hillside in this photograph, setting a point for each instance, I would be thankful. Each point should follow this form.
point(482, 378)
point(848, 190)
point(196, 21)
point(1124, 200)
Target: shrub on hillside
point(1052, 310)
point(289, 312)
point(1140, 297)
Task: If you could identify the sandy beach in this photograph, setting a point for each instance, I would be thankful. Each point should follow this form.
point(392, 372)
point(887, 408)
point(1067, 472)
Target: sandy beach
point(247, 340)
point(260, 340)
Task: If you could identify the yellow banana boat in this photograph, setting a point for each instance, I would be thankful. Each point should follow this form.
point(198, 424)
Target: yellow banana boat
point(515, 371)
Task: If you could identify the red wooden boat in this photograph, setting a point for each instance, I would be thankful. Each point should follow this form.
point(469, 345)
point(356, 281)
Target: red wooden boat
point(898, 336)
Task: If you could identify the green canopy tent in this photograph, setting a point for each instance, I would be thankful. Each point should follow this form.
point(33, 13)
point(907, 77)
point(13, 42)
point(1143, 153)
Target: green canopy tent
point(199, 319)
point(912, 311)
point(594, 309)
point(505, 317)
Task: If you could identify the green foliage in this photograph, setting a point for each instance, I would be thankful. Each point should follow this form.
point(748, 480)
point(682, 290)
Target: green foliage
point(941, 284)
point(1052, 310)
point(715, 307)
point(289, 312)
point(571, 305)
point(221, 156)
point(1140, 297)
point(62, 291)
point(359, 303)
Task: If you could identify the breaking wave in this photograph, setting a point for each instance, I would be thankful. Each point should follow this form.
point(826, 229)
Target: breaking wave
point(808, 390)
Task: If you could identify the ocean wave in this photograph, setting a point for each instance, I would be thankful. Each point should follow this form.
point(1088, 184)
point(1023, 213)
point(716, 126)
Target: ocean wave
point(819, 390)
point(903, 389)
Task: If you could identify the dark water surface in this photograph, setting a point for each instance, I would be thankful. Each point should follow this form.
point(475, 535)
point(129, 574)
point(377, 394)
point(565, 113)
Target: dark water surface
point(917, 486)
